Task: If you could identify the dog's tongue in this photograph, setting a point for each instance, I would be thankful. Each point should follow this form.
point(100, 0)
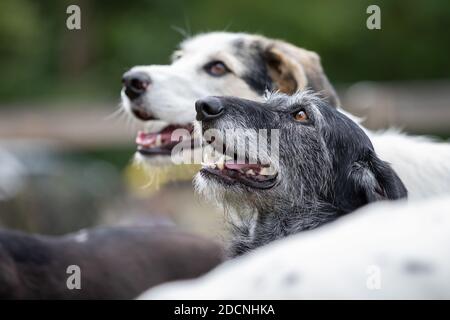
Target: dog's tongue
point(146, 139)
point(151, 139)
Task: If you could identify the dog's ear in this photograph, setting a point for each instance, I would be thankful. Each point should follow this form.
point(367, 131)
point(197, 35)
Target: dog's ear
point(375, 180)
point(292, 68)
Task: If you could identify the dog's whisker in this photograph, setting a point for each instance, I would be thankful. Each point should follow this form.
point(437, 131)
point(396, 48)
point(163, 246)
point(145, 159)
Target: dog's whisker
point(185, 34)
point(227, 27)
point(188, 25)
point(115, 114)
point(129, 123)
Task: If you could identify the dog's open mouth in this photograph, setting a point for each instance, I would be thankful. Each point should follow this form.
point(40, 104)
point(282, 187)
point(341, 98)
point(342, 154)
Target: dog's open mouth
point(226, 168)
point(162, 142)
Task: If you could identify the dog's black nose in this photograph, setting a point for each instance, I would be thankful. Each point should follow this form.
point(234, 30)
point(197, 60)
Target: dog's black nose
point(135, 83)
point(208, 108)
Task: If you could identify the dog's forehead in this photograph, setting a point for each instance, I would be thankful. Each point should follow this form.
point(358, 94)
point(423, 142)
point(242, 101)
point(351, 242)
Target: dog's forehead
point(214, 41)
point(281, 101)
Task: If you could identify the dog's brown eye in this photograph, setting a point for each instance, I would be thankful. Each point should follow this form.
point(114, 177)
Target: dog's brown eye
point(301, 116)
point(216, 68)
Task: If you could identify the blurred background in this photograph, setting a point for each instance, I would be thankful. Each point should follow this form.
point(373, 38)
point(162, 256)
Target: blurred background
point(64, 157)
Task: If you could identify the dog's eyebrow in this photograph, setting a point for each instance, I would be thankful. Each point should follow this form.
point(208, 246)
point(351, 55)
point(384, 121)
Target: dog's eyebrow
point(239, 43)
point(285, 103)
point(301, 97)
point(176, 55)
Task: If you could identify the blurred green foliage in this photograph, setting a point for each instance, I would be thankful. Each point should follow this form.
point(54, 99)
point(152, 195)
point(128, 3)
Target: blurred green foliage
point(40, 60)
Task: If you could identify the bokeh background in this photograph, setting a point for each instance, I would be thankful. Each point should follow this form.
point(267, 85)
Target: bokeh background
point(65, 157)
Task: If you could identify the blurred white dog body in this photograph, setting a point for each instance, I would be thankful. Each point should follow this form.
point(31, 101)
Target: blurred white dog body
point(384, 251)
point(421, 163)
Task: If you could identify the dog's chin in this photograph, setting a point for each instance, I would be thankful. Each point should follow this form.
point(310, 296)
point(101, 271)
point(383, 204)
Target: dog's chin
point(212, 189)
point(234, 198)
point(154, 160)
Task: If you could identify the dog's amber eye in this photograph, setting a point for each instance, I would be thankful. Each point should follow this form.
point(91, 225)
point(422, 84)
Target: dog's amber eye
point(216, 68)
point(301, 116)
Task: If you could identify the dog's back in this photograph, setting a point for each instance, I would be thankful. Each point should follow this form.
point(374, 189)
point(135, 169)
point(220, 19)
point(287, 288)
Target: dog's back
point(115, 263)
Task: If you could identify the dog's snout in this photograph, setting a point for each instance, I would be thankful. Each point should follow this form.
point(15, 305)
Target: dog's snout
point(208, 108)
point(135, 83)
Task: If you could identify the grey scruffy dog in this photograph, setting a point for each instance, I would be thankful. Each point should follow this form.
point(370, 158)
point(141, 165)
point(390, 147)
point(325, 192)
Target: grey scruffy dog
point(326, 167)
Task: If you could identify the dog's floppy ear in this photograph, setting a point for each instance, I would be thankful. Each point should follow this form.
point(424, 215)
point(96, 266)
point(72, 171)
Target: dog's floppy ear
point(292, 68)
point(375, 180)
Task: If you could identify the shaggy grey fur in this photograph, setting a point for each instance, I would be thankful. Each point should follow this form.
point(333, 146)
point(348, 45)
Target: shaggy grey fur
point(327, 167)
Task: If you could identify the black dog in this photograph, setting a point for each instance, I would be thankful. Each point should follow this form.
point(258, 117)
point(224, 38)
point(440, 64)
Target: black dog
point(326, 166)
point(114, 263)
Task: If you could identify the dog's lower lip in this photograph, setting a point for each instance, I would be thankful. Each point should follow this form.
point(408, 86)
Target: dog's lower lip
point(153, 151)
point(234, 177)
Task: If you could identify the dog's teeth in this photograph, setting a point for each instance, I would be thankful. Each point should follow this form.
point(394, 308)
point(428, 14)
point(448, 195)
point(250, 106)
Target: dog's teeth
point(267, 171)
point(220, 162)
point(214, 160)
point(221, 158)
point(207, 158)
point(207, 165)
point(220, 165)
point(250, 172)
point(158, 140)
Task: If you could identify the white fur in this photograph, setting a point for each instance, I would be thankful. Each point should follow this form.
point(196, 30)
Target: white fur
point(176, 87)
point(81, 236)
point(422, 164)
point(406, 244)
point(12, 175)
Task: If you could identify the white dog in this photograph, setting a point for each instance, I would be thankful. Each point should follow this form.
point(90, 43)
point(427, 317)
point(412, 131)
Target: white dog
point(246, 66)
point(388, 250)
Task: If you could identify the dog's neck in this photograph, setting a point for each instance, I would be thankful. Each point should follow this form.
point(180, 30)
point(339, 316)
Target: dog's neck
point(258, 227)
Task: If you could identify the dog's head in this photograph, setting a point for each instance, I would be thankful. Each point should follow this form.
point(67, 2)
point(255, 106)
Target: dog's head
point(218, 63)
point(318, 161)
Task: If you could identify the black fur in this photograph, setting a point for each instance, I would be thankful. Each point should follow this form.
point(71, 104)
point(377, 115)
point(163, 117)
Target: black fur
point(257, 74)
